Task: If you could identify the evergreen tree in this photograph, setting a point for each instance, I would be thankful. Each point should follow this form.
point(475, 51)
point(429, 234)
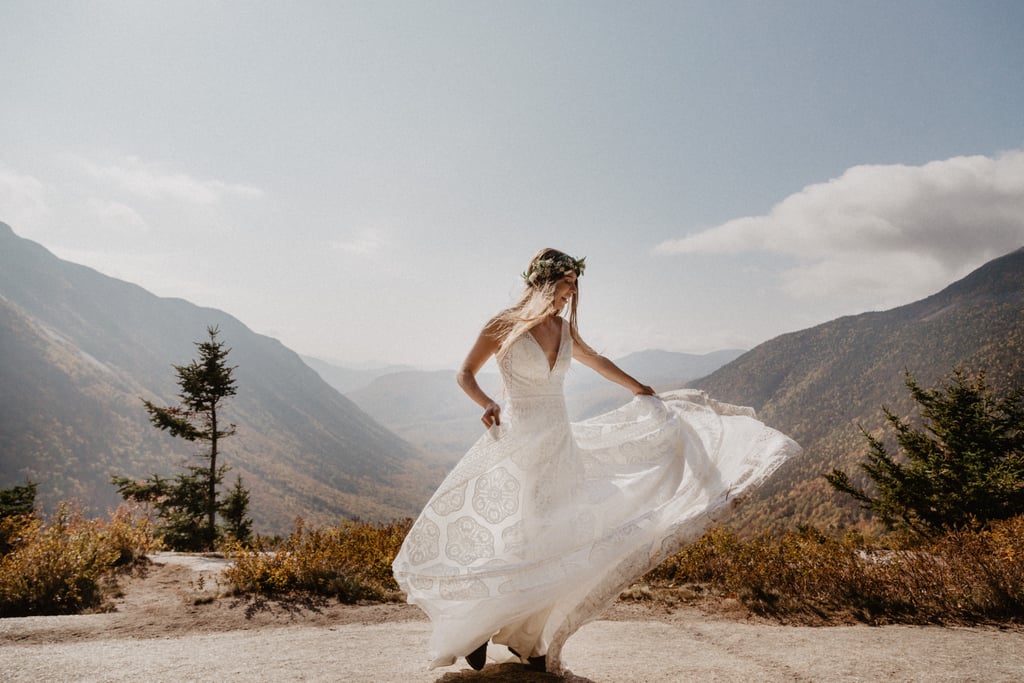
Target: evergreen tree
point(16, 504)
point(18, 500)
point(188, 504)
point(964, 467)
point(180, 503)
point(235, 510)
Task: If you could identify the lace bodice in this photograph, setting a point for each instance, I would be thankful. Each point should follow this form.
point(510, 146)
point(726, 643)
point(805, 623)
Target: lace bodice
point(533, 387)
point(525, 369)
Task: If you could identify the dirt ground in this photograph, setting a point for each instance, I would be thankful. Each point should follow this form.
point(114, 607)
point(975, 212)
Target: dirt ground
point(172, 624)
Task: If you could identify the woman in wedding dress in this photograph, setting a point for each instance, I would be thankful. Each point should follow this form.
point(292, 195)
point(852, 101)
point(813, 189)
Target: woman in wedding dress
point(544, 522)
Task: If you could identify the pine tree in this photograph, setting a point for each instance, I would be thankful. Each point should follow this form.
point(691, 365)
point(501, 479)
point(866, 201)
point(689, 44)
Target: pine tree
point(188, 504)
point(18, 500)
point(964, 468)
point(234, 510)
point(16, 505)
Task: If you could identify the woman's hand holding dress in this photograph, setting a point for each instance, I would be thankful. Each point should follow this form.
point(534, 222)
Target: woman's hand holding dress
point(492, 415)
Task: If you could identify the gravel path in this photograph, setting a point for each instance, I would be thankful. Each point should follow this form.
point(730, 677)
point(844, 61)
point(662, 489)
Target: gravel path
point(602, 651)
point(159, 634)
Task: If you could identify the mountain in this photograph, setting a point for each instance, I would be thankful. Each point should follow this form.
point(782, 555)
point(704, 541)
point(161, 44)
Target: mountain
point(588, 394)
point(346, 379)
point(431, 411)
point(79, 349)
point(823, 384)
point(671, 368)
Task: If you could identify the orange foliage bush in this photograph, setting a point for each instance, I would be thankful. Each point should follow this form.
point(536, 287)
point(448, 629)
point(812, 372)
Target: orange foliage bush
point(57, 567)
point(351, 562)
point(962, 577)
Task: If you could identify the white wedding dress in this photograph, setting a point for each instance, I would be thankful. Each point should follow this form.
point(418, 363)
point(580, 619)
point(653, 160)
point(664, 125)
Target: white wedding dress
point(544, 522)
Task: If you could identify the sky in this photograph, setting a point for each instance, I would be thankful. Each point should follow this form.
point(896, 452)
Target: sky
point(365, 181)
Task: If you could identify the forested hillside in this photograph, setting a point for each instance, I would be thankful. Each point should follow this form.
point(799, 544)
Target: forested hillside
point(823, 384)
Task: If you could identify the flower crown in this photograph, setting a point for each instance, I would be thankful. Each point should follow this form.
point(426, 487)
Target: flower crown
point(548, 269)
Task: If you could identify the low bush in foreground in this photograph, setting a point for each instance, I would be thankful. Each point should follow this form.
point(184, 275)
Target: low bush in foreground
point(962, 577)
point(59, 566)
point(351, 562)
point(804, 576)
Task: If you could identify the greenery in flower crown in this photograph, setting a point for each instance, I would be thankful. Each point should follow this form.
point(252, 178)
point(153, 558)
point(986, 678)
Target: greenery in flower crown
point(549, 269)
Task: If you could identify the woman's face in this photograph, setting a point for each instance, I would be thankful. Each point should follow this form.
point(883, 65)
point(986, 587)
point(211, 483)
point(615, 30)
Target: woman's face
point(564, 290)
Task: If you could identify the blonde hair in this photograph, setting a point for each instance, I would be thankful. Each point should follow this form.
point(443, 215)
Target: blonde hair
point(537, 301)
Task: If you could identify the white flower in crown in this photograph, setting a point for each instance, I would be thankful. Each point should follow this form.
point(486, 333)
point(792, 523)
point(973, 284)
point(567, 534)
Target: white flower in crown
point(553, 268)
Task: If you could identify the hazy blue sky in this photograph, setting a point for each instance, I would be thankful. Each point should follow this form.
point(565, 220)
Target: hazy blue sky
point(366, 180)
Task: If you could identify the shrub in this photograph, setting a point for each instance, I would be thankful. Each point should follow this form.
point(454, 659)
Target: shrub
point(58, 567)
point(351, 562)
point(131, 533)
point(964, 576)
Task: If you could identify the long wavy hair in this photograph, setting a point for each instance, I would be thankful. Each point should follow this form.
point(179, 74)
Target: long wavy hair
point(537, 301)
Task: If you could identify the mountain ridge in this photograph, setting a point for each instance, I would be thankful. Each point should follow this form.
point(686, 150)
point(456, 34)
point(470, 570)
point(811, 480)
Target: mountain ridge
point(824, 384)
point(77, 343)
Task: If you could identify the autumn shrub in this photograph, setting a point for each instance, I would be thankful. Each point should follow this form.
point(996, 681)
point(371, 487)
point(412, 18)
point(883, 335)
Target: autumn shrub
point(964, 576)
point(351, 561)
point(800, 573)
point(131, 533)
point(967, 576)
point(13, 531)
point(59, 566)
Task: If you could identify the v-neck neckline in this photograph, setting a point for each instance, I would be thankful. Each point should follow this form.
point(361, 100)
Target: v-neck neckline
point(558, 351)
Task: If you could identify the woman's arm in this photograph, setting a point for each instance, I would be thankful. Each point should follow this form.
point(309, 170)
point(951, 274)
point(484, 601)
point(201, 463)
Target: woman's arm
point(609, 370)
point(486, 345)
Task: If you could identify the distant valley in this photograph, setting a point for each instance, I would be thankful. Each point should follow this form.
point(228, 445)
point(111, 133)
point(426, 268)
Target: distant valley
point(346, 379)
point(428, 409)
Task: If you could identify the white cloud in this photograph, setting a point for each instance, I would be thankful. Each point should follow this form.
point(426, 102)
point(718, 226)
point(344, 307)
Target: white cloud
point(128, 219)
point(117, 216)
point(149, 181)
point(880, 233)
point(22, 197)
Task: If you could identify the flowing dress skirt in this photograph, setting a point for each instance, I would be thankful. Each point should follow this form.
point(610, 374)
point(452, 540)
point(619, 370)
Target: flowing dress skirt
point(544, 522)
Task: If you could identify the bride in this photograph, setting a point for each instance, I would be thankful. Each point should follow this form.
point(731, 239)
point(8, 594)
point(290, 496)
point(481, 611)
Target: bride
point(544, 522)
